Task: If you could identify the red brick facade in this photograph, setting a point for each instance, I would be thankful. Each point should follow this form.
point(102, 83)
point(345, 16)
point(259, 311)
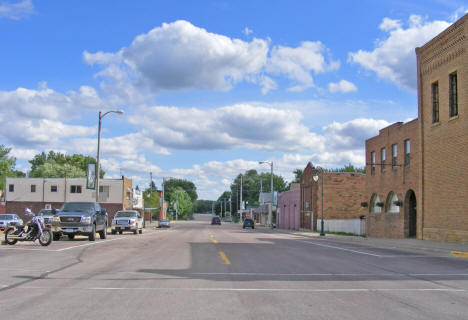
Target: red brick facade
point(385, 178)
point(343, 193)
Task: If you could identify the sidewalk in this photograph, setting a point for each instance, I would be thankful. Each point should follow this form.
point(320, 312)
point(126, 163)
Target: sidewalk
point(405, 244)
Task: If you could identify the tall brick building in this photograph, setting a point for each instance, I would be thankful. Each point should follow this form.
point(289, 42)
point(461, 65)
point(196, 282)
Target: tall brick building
point(443, 126)
point(392, 181)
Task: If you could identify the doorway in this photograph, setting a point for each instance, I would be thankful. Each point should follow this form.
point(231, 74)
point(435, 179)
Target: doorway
point(411, 213)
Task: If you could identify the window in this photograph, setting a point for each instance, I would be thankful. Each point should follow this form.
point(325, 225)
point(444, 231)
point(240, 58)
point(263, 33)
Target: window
point(33, 188)
point(382, 156)
point(407, 152)
point(11, 188)
point(53, 188)
point(103, 192)
point(75, 189)
point(392, 203)
point(372, 163)
point(374, 207)
point(453, 95)
point(394, 155)
point(435, 102)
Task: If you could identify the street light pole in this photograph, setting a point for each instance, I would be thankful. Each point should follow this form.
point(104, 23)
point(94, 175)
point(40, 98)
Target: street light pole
point(271, 185)
point(101, 115)
point(315, 177)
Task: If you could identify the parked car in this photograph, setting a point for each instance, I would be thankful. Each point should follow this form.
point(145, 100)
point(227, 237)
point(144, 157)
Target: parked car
point(248, 223)
point(9, 219)
point(228, 219)
point(80, 218)
point(127, 220)
point(216, 220)
point(47, 215)
point(164, 223)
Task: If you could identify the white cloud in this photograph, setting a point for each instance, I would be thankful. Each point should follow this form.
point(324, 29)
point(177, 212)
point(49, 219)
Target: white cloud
point(178, 56)
point(352, 135)
point(16, 10)
point(298, 63)
point(231, 127)
point(394, 58)
point(37, 118)
point(343, 86)
point(458, 13)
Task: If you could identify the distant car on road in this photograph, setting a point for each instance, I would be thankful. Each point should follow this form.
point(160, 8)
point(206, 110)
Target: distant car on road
point(164, 223)
point(228, 219)
point(9, 219)
point(216, 220)
point(127, 220)
point(248, 223)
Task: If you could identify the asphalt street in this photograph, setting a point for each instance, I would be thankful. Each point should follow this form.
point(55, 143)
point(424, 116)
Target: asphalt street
point(197, 271)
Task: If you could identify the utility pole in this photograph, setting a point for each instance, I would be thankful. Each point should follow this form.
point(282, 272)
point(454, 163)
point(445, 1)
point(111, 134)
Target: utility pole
point(240, 214)
point(224, 206)
point(261, 188)
point(163, 202)
point(151, 193)
point(230, 206)
point(212, 208)
point(177, 206)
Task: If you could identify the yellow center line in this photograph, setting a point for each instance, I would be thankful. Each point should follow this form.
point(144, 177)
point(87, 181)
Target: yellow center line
point(215, 241)
point(223, 256)
point(460, 254)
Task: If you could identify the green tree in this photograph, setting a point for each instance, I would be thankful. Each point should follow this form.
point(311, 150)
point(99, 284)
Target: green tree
point(152, 200)
point(55, 170)
point(7, 166)
point(76, 160)
point(251, 187)
point(183, 201)
point(172, 184)
point(203, 206)
point(347, 168)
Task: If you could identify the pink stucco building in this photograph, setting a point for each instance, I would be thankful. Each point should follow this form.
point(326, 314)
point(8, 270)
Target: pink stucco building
point(289, 208)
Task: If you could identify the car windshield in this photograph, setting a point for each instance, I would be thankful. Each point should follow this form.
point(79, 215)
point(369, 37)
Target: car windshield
point(6, 217)
point(46, 212)
point(77, 207)
point(164, 220)
point(125, 214)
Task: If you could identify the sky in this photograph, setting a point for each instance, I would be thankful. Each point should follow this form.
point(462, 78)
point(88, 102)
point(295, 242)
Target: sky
point(210, 88)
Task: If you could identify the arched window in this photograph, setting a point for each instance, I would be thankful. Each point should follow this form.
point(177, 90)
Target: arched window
point(374, 207)
point(391, 204)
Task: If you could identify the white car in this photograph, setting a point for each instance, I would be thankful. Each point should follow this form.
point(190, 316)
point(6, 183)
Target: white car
point(127, 220)
point(9, 219)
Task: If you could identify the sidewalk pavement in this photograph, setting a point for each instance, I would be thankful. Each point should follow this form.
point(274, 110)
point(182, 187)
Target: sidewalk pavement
point(404, 244)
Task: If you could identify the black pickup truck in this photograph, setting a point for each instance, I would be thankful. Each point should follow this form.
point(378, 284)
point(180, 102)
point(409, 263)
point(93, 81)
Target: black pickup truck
point(80, 218)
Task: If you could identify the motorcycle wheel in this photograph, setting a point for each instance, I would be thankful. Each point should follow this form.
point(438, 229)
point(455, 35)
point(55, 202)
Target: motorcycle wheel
point(46, 238)
point(9, 232)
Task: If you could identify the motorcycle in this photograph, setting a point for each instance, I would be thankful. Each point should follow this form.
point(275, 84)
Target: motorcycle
point(36, 231)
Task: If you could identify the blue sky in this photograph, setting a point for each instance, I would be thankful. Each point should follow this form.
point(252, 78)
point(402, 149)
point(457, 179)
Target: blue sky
point(209, 88)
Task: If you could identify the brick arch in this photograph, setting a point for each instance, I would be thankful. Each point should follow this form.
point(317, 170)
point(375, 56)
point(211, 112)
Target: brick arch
point(410, 214)
point(390, 207)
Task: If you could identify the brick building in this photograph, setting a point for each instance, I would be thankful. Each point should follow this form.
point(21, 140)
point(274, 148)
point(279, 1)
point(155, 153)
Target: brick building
point(392, 181)
point(443, 126)
point(40, 193)
point(288, 209)
point(343, 193)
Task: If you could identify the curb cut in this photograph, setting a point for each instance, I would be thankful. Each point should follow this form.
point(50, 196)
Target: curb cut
point(459, 254)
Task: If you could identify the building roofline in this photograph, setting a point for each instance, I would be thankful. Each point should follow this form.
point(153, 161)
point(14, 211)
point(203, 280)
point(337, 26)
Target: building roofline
point(443, 33)
point(395, 124)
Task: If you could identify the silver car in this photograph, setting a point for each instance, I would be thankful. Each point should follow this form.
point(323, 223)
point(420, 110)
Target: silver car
point(9, 219)
point(127, 220)
point(164, 223)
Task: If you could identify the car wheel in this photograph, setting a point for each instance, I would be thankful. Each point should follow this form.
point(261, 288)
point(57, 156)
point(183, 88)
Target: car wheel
point(243, 227)
point(253, 227)
point(135, 231)
point(92, 235)
point(56, 236)
point(140, 231)
point(120, 232)
point(113, 232)
point(71, 236)
point(103, 233)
